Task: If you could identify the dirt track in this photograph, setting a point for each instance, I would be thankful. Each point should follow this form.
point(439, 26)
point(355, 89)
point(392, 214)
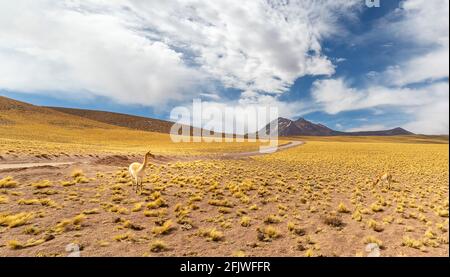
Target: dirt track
point(265, 151)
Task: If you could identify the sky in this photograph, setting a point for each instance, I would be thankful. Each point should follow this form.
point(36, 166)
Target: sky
point(337, 62)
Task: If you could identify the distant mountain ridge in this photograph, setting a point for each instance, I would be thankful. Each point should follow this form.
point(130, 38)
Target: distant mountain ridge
point(303, 127)
point(103, 119)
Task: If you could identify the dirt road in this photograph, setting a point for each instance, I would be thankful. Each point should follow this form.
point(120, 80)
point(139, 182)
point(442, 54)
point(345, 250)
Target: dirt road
point(28, 165)
point(265, 152)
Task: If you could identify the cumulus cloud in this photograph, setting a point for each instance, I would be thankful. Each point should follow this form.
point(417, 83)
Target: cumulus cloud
point(415, 85)
point(425, 26)
point(427, 105)
point(250, 45)
point(429, 67)
point(368, 127)
point(424, 21)
point(431, 119)
point(54, 47)
point(152, 52)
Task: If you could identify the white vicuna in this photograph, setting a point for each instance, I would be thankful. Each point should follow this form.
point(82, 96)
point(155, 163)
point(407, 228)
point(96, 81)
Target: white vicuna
point(385, 179)
point(137, 171)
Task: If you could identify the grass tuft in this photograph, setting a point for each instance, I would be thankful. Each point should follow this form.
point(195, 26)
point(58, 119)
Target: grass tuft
point(8, 182)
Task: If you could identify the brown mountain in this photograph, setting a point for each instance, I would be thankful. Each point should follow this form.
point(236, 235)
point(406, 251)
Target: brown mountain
point(391, 132)
point(13, 112)
point(123, 120)
point(303, 127)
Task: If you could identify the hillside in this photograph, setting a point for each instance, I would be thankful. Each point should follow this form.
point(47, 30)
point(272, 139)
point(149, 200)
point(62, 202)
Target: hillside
point(125, 120)
point(13, 112)
point(119, 119)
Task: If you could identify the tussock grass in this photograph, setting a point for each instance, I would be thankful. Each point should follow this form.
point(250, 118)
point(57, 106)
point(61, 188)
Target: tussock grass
point(160, 202)
point(8, 182)
point(239, 253)
point(133, 226)
point(69, 224)
point(376, 207)
point(410, 242)
point(211, 234)
point(4, 199)
point(152, 213)
point(158, 246)
point(137, 207)
point(77, 173)
point(32, 230)
point(443, 212)
point(165, 228)
point(128, 236)
point(334, 221)
point(91, 211)
point(245, 221)
point(374, 225)
point(342, 208)
point(68, 183)
point(220, 203)
point(15, 220)
point(272, 219)
point(42, 184)
point(357, 215)
point(15, 244)
point(267, 233)
point(372, 239)
point(34, 201)
point(81, 180)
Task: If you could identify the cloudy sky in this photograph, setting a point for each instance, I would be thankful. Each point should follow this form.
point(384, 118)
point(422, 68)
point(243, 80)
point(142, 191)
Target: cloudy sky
point(337, 62)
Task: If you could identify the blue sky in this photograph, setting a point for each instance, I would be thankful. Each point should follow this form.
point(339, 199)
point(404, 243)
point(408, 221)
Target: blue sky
point(339, 62)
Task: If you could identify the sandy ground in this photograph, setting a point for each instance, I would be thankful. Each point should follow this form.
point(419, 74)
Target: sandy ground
point(119, 222)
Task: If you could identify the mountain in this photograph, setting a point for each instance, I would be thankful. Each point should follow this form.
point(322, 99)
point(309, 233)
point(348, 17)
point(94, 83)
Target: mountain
point(300, 127)
point(14, 113)
point(311, 129)
point(125, 120)
point(391, 132)
point(303, 127)
point(122, 120)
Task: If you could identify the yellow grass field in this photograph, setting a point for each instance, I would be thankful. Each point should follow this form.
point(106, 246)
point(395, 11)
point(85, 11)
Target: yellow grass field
point(331, 196)
point(318, 199)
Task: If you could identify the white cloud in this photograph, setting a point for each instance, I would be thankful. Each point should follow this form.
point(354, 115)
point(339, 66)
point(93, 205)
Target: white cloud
point(431, 66)
point(250, 45)
point(425, 22)
point(152, 52)
point(47, 47)
point(334, 95)
point(368, 127)
point(431, 119)
point(428, 105)
point(424, 25)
